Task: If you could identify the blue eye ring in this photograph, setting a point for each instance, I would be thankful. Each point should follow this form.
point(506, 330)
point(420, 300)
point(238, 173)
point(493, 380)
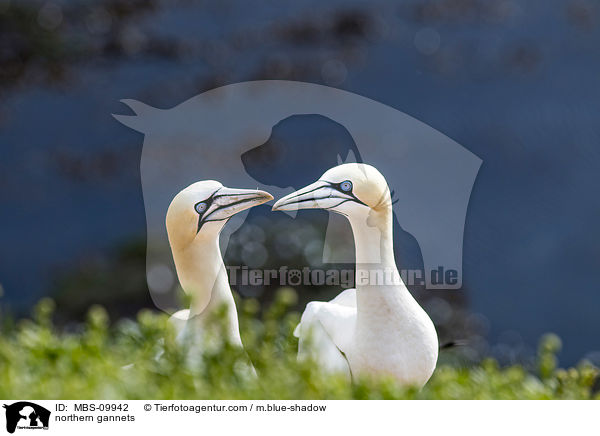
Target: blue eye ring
point(201, 207)
point(346, 186)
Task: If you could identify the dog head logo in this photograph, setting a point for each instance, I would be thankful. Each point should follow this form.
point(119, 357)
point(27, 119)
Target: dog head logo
point(207, 136)
point(26, 415)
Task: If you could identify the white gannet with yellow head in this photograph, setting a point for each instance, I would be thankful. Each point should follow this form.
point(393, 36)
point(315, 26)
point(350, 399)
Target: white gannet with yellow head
point(194, 221)
point(377, 328)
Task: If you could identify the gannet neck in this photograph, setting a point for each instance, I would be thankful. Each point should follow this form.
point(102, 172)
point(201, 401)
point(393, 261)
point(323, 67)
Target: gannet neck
point(387, 315)
point(373, 239)
point(381, 296)
point(203, 276)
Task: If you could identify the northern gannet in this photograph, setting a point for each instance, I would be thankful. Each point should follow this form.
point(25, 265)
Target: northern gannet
point(194, 221)
point(377, 328)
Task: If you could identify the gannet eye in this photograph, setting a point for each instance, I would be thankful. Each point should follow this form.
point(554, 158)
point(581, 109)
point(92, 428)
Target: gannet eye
point(346, 186)
point(201, 207)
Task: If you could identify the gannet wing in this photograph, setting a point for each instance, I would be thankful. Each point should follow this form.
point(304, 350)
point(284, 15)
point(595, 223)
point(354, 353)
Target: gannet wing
point(324, 333)
point(346, 298)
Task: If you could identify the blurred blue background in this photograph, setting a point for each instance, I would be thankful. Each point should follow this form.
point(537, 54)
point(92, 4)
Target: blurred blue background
point(515, 82)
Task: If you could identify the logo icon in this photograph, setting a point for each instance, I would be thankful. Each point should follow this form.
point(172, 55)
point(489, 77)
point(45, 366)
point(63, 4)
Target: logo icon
point(26, 415)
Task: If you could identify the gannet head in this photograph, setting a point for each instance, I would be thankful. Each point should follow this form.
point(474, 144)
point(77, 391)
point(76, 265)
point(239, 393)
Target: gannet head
point(201, 210)
point(351, 189)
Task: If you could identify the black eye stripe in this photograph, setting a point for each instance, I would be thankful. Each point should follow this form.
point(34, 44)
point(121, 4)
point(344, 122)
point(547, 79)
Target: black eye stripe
point(208, 203)
point(338, 187)
point(203, 218)
point(346, 186)
point(201, 207)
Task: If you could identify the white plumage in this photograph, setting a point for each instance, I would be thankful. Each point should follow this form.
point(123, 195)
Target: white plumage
point(194, 221)
point(377, 328)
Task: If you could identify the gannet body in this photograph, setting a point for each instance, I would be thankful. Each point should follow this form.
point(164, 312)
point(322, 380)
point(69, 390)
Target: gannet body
point(194, 221)
point(377, 328)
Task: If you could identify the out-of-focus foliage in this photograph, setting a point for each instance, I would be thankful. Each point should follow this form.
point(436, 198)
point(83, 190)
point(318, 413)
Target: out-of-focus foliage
point(142, 359)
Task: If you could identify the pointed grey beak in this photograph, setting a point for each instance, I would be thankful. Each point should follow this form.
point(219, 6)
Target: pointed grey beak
point(229, 201)
point(318, 195)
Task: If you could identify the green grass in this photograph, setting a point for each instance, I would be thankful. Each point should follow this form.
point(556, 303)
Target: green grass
point(38, 361)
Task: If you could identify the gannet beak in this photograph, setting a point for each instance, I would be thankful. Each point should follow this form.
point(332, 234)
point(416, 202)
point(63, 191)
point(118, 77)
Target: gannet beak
point(318, 195)
point(229, 201)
